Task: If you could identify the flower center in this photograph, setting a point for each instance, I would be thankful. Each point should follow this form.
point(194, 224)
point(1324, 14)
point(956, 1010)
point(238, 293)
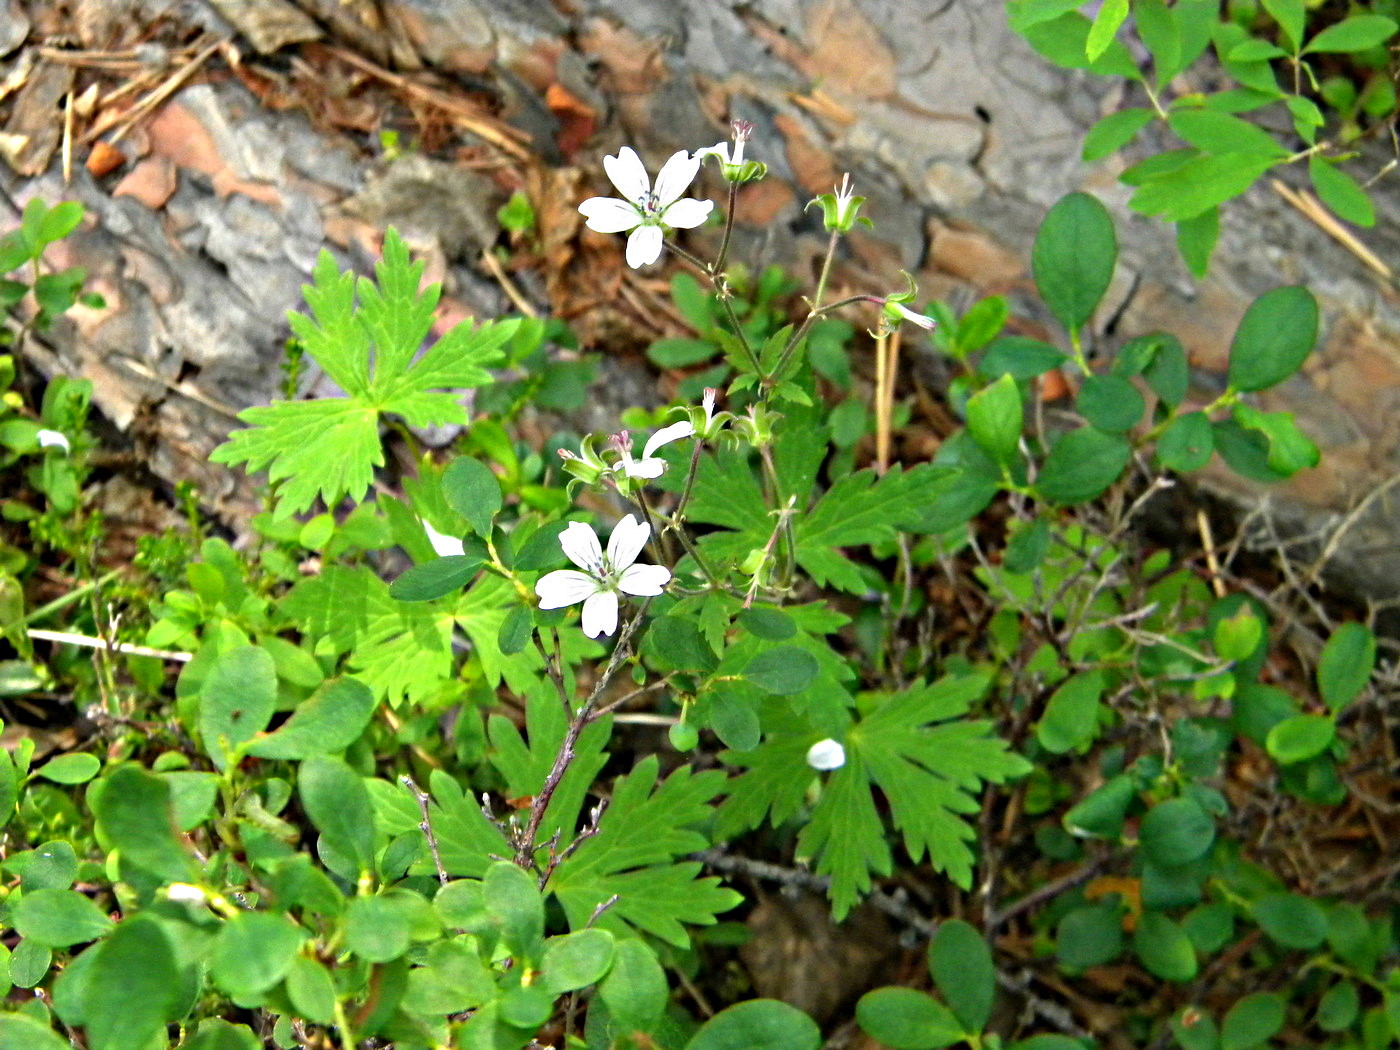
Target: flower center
point(650, 205)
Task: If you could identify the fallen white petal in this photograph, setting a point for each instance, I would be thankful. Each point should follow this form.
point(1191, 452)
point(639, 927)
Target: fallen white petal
point(53, 439)
point(185, 893)
point(609, 215)
point(443, 546)
point(826, 755)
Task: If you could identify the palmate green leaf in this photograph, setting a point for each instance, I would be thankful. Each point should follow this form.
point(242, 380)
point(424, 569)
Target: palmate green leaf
point(645, 828)
point(525, 766)
point(466, 839)
point(860, 509)
point(481, 612)
point(775, 778)
point(366, 335)
point(930, 766)
point(847, 836)
point(401, 651)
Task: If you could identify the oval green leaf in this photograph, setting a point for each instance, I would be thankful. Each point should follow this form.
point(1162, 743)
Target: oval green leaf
point(1346, 664)
point(473, 491)
point(1300, 738)
point(330, 720)
point(1275, 336)
point(962, 968)
point(58, 918)
point(1291, 920)
point(76, 768)
point(1251, 1021)
point(1110, 403)
point(907, 1019)
point(1071, 717)
point(1176, 832)
point(1187, 443)
point(254, 951)
point(759, 1024)
point(994, 419)
point(435, 579)
point(1340, 192)
point(1082, 465)
point(1073, 258)
point(1164, 948)
point(782, 670)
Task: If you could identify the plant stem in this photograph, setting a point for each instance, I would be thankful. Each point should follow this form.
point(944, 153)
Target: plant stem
point(722, 257)
point(426, 825)
point(564, 758)
point(817, 309)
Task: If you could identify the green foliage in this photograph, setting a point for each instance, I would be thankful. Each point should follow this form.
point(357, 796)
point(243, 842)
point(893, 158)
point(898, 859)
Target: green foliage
point(366, 335)
point(244, 848)
point(1233, 134)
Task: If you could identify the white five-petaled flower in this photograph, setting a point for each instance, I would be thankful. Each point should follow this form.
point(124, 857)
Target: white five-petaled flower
point(53, 439)
point(645, 211)
point(443, 546)
point(603, 575)
point(826, 755)
point(650, 465)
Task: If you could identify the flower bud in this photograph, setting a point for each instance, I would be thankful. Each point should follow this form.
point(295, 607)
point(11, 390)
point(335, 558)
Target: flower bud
point(841, 209)
point(587, 466)
point(731, 161)
point(757, 426)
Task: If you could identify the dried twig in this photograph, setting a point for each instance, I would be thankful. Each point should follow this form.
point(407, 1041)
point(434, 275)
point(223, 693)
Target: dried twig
point(69, 638)
point(426, 825)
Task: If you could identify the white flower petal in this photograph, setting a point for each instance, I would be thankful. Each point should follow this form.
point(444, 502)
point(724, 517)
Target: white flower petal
point(609, 215)
point(676, 174)
point(687, 213)
point(644, 246)
point(644, 468)
point(826, 755)
point(666, 435)
point(628, 173)
point(626, 542)
point(719, 149)
point(443, 546)
point(922, 320)
point(581, 546)
point(564, 587)
point(644, 580)
point(600, 614)
point(53, 439)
